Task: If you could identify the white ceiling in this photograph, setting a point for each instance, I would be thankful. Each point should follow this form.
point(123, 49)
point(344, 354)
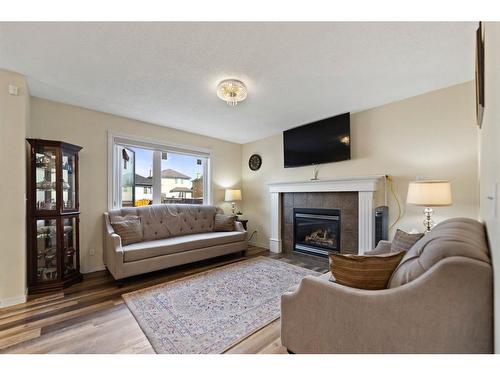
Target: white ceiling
point(166, 73)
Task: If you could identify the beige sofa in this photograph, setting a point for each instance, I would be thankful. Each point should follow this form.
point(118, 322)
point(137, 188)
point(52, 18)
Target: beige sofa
point(439, 300)
point(174, 234)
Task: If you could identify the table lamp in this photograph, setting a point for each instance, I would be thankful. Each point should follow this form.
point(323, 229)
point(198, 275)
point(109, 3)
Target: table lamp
point(232, 196)
point(429, 193)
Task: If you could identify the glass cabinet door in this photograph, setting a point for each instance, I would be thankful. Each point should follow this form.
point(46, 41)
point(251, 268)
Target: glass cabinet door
point(69, 243)
point(45, 175)
point(69, 181)
point(46, 250)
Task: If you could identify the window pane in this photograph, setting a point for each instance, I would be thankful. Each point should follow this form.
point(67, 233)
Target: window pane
point(136, 166)
point(182, 178)
point(127, 170)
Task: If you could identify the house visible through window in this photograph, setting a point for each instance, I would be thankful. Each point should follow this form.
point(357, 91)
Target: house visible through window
point(145, 173)
point(181, 176)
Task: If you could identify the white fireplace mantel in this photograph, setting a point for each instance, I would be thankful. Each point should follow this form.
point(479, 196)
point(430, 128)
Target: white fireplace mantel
point(366, 186)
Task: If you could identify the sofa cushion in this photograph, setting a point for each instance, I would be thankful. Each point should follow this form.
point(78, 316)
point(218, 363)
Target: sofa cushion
point(224, 223)
point(172, 245)
point(129, 229)
point(169, 220)
point(460, 237)
point(364, 272)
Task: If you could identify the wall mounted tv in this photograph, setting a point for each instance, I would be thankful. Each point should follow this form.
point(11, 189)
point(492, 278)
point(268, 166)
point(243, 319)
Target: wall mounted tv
point(323, 141)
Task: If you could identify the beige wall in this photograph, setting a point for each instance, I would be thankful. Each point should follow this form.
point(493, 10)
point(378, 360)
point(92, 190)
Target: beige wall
point(14, 118)
point(490, 157)
point(52, 120)
point(431, 135)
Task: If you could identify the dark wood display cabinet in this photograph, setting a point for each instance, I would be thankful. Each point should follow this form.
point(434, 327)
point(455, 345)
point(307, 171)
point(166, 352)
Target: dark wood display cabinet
point(53, 215)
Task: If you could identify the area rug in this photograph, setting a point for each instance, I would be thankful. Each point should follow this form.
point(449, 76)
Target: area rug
point(211, 311)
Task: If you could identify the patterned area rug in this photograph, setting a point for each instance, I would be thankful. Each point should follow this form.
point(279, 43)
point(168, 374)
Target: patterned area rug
point(214, 310)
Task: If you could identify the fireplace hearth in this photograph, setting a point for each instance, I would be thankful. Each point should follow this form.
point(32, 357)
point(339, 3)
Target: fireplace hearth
point(316, 231)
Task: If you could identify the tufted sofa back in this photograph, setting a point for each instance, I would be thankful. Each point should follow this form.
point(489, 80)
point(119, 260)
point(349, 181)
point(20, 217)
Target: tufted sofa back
point(170, 220)
point(460, 237)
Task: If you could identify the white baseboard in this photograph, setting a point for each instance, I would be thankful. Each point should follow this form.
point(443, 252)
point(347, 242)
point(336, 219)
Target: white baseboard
point(100, 267)
point(6, 302)
point(259, 244)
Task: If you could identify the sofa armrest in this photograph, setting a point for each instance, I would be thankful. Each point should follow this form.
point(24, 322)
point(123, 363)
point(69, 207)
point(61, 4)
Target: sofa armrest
point(383, 247)
point(113, 252)
point(446, 310)
point(239, 227)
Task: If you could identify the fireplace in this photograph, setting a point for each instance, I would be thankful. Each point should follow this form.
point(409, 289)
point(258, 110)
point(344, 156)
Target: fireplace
point(316, 231)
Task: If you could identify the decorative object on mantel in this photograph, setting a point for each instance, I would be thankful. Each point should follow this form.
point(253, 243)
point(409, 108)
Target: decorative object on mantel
point(255, 162)
point(479, 75)
point(429, 193)
point(211, 311)
point(315, 173)
point(232, 91)
point(233, 195)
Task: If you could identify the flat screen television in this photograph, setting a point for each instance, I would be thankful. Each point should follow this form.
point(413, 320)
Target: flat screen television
point(322, 141)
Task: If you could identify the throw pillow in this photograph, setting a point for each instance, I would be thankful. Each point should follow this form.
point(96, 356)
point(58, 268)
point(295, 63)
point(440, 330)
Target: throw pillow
point(364, 272)
point(224, 223)
point(129, 228)
point(404, 241)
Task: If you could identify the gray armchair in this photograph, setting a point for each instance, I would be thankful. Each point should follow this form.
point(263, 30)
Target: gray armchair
point(439, 300)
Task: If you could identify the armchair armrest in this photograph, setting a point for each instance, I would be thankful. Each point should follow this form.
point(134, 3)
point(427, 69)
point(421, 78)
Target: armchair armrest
point(446, 310)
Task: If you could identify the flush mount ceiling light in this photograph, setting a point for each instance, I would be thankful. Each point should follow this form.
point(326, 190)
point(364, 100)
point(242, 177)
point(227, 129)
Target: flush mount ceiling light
point(232, 91)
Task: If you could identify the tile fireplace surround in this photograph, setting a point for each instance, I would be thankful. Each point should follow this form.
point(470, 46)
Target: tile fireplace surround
point(346, 202)
point(287, 195)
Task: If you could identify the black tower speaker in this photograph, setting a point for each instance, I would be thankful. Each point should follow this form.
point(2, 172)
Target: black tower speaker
point(381, 224)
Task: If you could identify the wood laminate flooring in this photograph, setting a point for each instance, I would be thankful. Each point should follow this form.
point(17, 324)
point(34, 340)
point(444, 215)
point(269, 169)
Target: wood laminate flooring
point(91, 316)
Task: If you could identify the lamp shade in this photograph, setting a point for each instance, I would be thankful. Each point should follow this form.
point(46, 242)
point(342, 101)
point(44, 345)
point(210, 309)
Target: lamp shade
point(232, 195)
point(429, 193)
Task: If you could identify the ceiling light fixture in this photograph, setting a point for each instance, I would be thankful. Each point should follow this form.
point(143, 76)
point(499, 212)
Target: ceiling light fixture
point(232, 91)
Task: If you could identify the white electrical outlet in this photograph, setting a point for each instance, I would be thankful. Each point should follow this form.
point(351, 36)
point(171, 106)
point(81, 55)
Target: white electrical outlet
point(92, 252)
point(13, 90)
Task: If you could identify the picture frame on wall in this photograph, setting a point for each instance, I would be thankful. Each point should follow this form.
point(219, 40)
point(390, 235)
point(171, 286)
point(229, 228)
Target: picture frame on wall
point(479, 75)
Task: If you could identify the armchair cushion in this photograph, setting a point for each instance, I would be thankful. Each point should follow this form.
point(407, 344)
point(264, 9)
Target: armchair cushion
point(404, 241)
point(383, 247)
point(364, 272)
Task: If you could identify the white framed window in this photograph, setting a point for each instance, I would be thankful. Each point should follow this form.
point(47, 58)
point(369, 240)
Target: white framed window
point(173, 173)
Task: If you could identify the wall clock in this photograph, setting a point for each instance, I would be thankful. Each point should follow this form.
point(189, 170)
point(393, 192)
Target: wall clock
point(255, 162)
